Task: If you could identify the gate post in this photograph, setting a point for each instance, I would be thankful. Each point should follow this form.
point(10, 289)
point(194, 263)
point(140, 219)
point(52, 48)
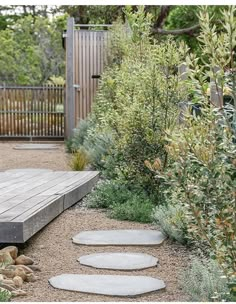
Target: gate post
point(70, 91)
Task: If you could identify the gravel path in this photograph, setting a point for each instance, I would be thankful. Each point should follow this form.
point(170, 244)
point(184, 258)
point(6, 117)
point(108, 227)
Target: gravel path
point(50, 159)
point(54, 252)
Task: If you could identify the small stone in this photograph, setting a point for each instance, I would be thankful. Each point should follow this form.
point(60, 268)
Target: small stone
point(6, 259)
point(7, 272)
point(18, 293)
point(26, 269)
point(34, 268)
point(30, 277)
point(1, 277)
point(18, 281)
point(8, 282)
point(13, 250)
point(21, 273)
point(7, 287)
point(24, 260)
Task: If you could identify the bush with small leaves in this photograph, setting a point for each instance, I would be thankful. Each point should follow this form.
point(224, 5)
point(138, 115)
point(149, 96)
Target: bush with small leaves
point(79, 135)
point(107, 193)
point(135, 209)
point(172, 221)
point(203, 281)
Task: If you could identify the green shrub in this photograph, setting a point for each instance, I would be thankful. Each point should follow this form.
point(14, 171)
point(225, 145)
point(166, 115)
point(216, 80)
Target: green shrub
point(171, 219)
point(79, 135)
point(5, 295)
point(138, 100)
point(203, 281)
point(107, 193)
point(135, 209)
point(202, 149)
point(124, 201)
point(97, 146)
point(79, 160)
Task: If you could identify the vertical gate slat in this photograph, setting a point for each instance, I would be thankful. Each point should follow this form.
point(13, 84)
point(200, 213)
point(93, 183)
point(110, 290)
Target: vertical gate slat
point(80, 49)
point(20, 96)
point(76, 78)
point(88, 75)
point(16, 114)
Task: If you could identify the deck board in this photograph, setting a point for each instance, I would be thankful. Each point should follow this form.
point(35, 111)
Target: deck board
point(30, 200)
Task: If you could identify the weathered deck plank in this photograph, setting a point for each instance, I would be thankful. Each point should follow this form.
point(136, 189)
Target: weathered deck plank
point(30, 200)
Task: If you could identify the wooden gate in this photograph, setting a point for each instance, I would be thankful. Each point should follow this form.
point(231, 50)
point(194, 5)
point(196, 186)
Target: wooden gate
point(32, 112)
point(86, 53)
point(89, 65)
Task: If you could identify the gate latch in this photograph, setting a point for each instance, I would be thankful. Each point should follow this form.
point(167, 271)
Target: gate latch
point(76, 86)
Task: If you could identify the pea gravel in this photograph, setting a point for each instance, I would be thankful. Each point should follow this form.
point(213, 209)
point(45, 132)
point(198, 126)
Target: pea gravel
point(53, 251)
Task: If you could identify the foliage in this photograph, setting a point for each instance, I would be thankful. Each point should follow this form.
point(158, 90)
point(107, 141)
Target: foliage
point(32, 51)
point(203, 281)
point(56, 80)
point(79, 160)
point(138, 99)
point(79, 135)
point(5, 295)
point(134, 209)
point(204, 170)
point(171, 219)
point(124, 202)
point(203, 150)
point(184, 16)
point(110, 192)
point(98, 147)
point(95, 144)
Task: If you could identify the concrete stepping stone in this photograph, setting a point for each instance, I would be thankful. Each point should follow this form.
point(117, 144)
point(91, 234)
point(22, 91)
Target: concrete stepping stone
point(113, 285)
point(36, 147)
point(119, 260)
point(119, 237)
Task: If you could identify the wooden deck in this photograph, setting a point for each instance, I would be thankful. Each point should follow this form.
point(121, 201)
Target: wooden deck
point(30, 199)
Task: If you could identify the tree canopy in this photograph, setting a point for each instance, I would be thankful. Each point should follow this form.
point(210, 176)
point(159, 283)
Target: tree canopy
point(31, 35)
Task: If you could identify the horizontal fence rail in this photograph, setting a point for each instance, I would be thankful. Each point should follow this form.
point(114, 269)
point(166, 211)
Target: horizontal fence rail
point(32, 111)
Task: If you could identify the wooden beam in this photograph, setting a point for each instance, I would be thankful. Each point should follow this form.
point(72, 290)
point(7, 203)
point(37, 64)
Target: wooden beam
point(70, 90)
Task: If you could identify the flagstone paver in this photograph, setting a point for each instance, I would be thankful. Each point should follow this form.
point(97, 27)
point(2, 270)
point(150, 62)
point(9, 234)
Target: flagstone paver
point(36, 147)
point(119, 260)
point(114, 285)
point(119, 237)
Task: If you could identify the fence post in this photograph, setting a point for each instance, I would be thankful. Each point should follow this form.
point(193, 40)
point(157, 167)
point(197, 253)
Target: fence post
point(70, 91)
point(216, 93)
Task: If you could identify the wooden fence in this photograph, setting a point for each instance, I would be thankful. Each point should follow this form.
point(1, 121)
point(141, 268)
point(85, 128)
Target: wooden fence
point(32, 111)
